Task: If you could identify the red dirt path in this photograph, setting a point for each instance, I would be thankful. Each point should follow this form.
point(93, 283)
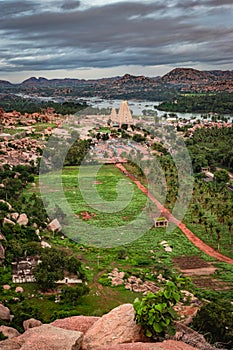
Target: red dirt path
point(189, 234)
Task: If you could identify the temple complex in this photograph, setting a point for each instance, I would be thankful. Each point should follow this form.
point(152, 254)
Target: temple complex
point(124, 116)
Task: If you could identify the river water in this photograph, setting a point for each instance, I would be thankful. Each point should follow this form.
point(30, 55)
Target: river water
point(136, 107)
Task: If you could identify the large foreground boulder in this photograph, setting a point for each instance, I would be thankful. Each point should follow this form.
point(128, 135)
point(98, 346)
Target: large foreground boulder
point(76, 323)
point(9, 345)
point(175, 345)
point(133, 346)
point(166, 345)
point(116, 327)
point(49, 337)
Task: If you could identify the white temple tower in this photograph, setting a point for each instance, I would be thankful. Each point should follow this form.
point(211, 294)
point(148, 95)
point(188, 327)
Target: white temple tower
point(113, 116)
point(124, 115)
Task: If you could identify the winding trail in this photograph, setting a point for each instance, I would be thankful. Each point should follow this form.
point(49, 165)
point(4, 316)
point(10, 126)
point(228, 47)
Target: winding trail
point(189, 234)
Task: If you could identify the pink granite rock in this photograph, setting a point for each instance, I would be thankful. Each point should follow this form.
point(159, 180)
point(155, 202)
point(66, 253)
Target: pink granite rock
point(49, 337)
point(9, 332)
point(76, 323)
point(116, 327)
point(4, 313)
point(31, 323)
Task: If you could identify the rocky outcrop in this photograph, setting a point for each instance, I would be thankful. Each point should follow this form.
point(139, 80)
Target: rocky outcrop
point(31, 323)
point(116, 327)
point(9, 332)
point(116, 330)
point(76, 323)
point(4, 313)
point(49, 337)
point(191, 337)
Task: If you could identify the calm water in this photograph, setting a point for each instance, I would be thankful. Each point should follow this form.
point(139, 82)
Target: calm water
point(135, 106)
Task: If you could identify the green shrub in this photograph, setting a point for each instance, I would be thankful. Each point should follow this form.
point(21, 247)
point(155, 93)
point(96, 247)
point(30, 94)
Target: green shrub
point(155, 312)
point(215, 321)
point(104, 280)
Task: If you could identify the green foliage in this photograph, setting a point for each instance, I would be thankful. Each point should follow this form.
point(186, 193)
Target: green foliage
point(215, 321)
point(138, 138)
point(155, 312)
point(221, 176)
point(13, 102)
point(211, 147)
point(73, 294)
point(77, 152)
point(218, 103)
point(53, 264)
point(2, 337)
point(23, 311)
point(104, 280)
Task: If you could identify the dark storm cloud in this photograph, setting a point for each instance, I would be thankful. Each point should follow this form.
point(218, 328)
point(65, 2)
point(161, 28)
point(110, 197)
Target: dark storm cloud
point(13, 8)
point(70, 5)
point(124, 33)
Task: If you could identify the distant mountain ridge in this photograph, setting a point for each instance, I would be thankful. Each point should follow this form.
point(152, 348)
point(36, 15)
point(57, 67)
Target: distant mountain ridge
point(178, 79)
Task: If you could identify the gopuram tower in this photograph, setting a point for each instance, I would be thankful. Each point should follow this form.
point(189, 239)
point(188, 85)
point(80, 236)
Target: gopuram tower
point(124, 115)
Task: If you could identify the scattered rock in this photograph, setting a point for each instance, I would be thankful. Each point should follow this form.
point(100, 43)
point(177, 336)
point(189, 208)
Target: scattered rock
point(31, 323)
point(14, 216)
point(19, 290)
point(168, 249)
point(4, 313)
point(48, 337)
point(54, 226)
point(9, 332)
point(8, 204)
point(8, 221)
point(6, 287)
point(2, 237)
point(45, 244)
point(76, 323)
point(116, 327)
point(22, 220)
point(2, 252)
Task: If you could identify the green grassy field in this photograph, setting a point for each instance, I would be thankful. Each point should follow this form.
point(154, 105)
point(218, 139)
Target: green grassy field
point(142, 255)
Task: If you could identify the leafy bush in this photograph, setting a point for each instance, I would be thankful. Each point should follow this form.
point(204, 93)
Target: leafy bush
point(155, 312)
point(215, 321)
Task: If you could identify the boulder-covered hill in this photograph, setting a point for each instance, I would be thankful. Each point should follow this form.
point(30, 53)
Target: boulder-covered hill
point(130, 86)
point(116, 330)
point(189, 79)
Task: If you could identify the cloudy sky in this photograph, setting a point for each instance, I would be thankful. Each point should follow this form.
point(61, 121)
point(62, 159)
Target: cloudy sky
point(96, 38)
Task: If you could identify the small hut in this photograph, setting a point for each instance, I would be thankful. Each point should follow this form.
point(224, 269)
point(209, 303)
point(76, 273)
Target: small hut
point(161, 222)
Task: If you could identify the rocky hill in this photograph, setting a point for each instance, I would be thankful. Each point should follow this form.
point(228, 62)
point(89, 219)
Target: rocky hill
point(116, 330)
point(186, 76)
point(129, 86)
point(196, 80)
